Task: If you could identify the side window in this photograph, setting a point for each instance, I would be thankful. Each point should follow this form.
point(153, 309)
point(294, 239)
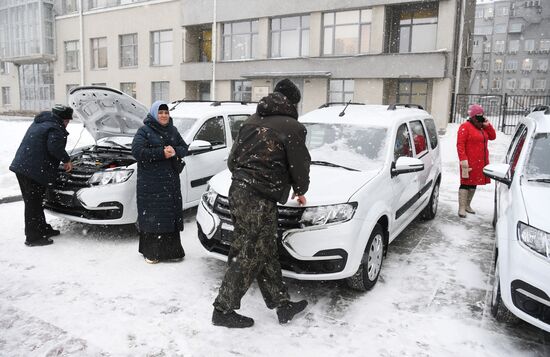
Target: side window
point(514, 142)
point(212, 131)
point(517, 152)
point(402, 142)
point(432, 132)
point(419, 137)
point(235, 123)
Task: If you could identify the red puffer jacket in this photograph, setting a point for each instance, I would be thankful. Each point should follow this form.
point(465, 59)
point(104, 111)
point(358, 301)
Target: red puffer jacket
point(471, 144)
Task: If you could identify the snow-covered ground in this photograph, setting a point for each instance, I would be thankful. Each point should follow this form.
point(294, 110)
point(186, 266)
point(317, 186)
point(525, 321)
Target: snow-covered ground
point(91, 294)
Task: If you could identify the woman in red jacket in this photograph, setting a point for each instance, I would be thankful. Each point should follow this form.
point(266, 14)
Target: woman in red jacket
point(473, 155)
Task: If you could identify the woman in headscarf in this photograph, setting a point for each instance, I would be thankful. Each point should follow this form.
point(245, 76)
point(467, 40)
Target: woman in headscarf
point(158, 148)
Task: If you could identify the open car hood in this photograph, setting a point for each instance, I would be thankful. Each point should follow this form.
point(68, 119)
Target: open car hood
point(106, 111)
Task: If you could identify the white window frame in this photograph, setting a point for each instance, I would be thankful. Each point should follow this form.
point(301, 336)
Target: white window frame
point(6, 97)
point(330, 27)
point(302, 31)
point(346, 93)
point(239, 90)
point(73, 54)
point(98, 45)
point(130, 91)
point(159, 91)
point(133, 47)
point(159, 46)
point(525, 84)
point(228, 35)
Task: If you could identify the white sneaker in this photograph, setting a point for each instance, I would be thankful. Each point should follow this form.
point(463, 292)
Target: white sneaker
point(151, 261)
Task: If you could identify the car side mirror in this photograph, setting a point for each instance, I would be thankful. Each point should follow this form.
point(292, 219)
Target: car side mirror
point(498, 172)
point(199, 146)
point(406, 164)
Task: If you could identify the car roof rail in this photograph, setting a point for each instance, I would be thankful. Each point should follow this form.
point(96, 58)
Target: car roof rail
point(406, 105)
point(541, 108)
point(217, 103)
point(328, 104)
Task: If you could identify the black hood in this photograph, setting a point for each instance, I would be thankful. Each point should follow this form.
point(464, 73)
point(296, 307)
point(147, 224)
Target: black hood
point(276, 104)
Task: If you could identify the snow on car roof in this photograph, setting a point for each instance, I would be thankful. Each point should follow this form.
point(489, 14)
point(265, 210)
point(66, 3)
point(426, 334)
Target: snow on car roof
point(201, 109)
point(364, 115)
point(542, 121)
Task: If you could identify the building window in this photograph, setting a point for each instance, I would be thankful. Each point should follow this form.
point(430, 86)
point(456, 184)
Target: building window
point(527, 64)
point(511, 65)
point(489, 12)
point(483, 83)
point(69, 6)
point(99, 52)
point(240, 40)
point(6, 96)
point(499, 46)
point(347, 32)
point(500, 28)
point(511, 84)
point(290, 36)
point(483, 30)
point(100, 84)
point(513, 46)
point(341, 90)
point(204, 90)
point(529, 45)
point(72, 56)
point(498, 65)
point(161, 48)
point(4, 67)
point(413, 92)
point(130, 89)
point(542, 65)
point(418, 28)
point(496, 84)
point(128, 50)
point(544, 45)
point(242, 91)
point(160, 91)
point(479, 13)
point(515, 27)
point(525, 83)
point(485, 66)
point(502, 11)
point(486, 46)
point(69, 87)
point(540, 84)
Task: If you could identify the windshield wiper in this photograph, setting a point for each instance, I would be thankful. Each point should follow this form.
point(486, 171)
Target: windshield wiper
point(545, 180)
point(326, 163)
point(117, 144)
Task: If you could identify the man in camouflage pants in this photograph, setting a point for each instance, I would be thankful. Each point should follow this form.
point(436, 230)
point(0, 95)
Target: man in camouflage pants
point(268, 158)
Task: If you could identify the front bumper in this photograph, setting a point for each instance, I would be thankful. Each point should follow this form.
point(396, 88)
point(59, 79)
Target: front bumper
point(320, 253)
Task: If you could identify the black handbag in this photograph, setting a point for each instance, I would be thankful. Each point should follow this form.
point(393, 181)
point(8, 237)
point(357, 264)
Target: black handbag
point(178, 164)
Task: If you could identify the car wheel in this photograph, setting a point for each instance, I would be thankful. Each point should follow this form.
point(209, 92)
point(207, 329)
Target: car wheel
point(430, 210)
point(499, 311)
point(371, 263)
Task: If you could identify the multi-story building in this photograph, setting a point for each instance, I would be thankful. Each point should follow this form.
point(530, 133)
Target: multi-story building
point(511, 47)
point(371, 51)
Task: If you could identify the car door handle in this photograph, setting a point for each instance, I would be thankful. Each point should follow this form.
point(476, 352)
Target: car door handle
point(225, 158)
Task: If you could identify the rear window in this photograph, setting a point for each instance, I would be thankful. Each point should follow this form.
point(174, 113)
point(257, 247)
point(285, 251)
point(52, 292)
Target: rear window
point(432, 132)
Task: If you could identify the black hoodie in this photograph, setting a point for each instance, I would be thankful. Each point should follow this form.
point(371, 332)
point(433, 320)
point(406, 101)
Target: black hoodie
point(270, 155)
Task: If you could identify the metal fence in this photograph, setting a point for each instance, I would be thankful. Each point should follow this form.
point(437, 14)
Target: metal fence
point(503, 111)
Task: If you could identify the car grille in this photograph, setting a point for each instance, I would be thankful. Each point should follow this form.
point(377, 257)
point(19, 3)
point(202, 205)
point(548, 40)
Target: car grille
point(288, 217)
point(74, 180)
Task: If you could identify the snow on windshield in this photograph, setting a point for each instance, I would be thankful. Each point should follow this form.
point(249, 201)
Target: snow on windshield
point(538, 165)
point(184, 125)
point(351, 146)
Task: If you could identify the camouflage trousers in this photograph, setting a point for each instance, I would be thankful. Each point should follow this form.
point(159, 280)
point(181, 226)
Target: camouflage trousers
point(253, 253)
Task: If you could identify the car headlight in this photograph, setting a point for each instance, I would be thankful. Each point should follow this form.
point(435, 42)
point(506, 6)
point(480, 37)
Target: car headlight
point(209, 197)
point(535, 239)
point(110, 176)
point(315, 216)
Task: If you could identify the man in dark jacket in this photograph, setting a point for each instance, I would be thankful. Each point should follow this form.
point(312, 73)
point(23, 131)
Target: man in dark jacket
point(268, 158)
point(35, 165)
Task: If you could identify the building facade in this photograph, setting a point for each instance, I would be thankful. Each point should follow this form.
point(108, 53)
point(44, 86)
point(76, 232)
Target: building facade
point(511, 48)
point(370, 51)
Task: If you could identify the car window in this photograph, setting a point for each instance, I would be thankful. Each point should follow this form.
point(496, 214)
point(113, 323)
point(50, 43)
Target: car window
point(235, 123)
point(514, 142)
point(432, 132)
point(212, 131)
point(402, 142)
point(517, 151)
point(538, 165)
point(184, 125)
point(419, 137)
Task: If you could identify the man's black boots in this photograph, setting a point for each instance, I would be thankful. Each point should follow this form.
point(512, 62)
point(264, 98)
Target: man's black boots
point(231, 319)
point(286, 312)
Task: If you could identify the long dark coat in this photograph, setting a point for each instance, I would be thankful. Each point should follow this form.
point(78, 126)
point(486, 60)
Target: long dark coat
point(159, 200)
point(41, 149)
point(471, 145)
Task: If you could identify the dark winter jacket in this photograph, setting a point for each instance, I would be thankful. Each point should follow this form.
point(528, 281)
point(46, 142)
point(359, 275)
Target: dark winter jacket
point(159, 200)
point(41, 149)
point(270, 154)
point(471, 145)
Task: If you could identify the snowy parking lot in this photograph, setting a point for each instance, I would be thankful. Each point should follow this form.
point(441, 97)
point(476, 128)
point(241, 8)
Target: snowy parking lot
point(91, 294)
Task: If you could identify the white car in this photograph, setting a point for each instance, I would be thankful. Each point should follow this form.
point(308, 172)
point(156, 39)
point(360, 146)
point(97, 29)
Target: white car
point(101, 189)
point(522, 204)
point(374, 169)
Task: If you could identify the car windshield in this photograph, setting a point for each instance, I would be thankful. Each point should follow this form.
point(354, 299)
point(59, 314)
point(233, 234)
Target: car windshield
point(351, 146)
point(538, 164)
point(184, 125)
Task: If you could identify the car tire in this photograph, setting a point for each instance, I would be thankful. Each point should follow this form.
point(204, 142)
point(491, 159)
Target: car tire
point(499, 311)
point(430, 210)
point(371, 263)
